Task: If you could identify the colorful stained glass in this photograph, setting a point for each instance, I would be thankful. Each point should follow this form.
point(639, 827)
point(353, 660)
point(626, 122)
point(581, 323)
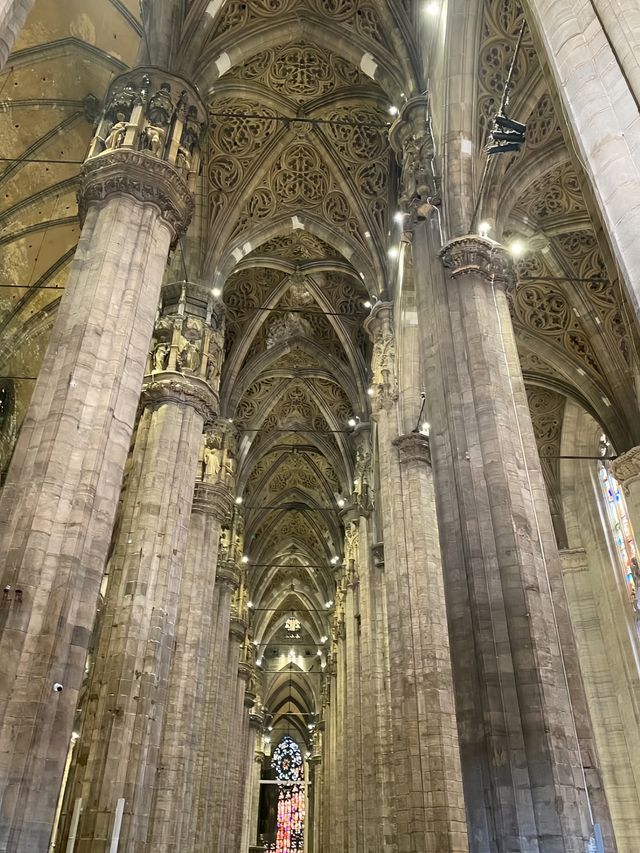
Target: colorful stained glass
point(289, 767)
point(621, 531)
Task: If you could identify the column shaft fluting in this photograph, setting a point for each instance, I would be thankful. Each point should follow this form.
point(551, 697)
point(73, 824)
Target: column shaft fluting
point(524, 782)
point(137, 640)
point(174, 820)
point(429, 810)
point(59, 501)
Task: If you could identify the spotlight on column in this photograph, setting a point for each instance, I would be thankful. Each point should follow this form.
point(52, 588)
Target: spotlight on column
point(259, 662)
point(352, 422)
point(250, 605)
point(216, 292)
point(432, 8)
point(483, 229)
point(393, 111)
point(335, 561)
point(393, 253)
point(507, 135)
point(399, 218)
point(328, 604)
point(239, 500)
point(323, 639)
point(245, 559)
point(340, 502)
point(366, 304)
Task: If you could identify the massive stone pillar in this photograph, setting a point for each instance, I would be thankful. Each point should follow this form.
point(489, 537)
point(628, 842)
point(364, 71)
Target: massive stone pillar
point(129, 690)
point(184, 736)
point(58, 504)
point(212, 754)
point(13, 14)
point(524, 781)
point(428, 796)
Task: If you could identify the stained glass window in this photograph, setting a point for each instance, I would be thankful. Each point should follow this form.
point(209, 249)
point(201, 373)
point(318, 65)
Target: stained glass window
point(620, 527)
point(289, 768)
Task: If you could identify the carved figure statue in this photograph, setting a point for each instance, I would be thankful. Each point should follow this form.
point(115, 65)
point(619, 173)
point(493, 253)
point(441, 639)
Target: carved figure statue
point(189, 357)
point(211, 464)
point(183, 160)
point(415, 181)
point(382, 360)
point(161, 356)
point(160, 107)
point(153, 140)
point(116, 135)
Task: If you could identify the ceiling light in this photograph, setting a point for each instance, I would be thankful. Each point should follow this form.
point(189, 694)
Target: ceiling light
point(340, 502)
point(250, 605)
point(323, 639)
point(259, 662)
point(239, 500)
point(399, 217)
point(319, 653)
point(335, 561)
point(517, 248)
point(393, 111)
point(352, 422)
point(370, 392)
point(432, 7)
point(328, 604)
point(426, 428)
point(245, 559)
point(484, 229)
point(367, 234)
point(216, 292)
point(366, 304)
point(393, 253)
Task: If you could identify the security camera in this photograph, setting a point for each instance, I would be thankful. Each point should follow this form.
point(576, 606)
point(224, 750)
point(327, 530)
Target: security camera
point(57, 687)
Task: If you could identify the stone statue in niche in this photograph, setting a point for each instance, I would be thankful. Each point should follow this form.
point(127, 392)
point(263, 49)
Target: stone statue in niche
point(416, 182)
point(224, 544)
point(214, 361)
point(382, 360)
point(116, 135)
point(160, 109)
point(161, 356)
point(188, 357)
point(211, 464)
point(189, 138)
point(153, 140)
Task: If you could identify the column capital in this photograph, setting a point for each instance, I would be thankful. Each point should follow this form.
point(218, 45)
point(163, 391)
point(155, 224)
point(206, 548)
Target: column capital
point(475, 255)
point(627, 466)
point(414, 446)
point(228, 574)
point(213, 499)
point(173, 387)
point(141, 176)
point(147, 145)
point(237, 629)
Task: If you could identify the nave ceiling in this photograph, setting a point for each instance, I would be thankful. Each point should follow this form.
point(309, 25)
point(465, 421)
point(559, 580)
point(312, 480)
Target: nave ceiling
point(294, 224)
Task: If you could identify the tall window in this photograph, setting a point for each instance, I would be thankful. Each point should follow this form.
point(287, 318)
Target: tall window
point(289, 768)
point(620, 527)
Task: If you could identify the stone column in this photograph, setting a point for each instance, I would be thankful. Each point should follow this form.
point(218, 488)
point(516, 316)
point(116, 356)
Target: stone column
point(59, 501)
point(13, 14)
point(429, 803)
point(174, 820)
point(209, 756)
point(524, 782)
point(252, 802)
point(230, 706)
point(130, 683)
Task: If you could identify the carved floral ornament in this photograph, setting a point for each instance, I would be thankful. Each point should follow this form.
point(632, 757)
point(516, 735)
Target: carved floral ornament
point(473, 255)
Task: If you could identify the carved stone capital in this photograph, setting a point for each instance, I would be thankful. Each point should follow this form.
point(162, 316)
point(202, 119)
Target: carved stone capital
point(141, 176)
point(180, 390)
point(627, 466)
point(213, 499)
point(237, 629)
point(479, 256)
point(228, 574)
point(413, 447)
